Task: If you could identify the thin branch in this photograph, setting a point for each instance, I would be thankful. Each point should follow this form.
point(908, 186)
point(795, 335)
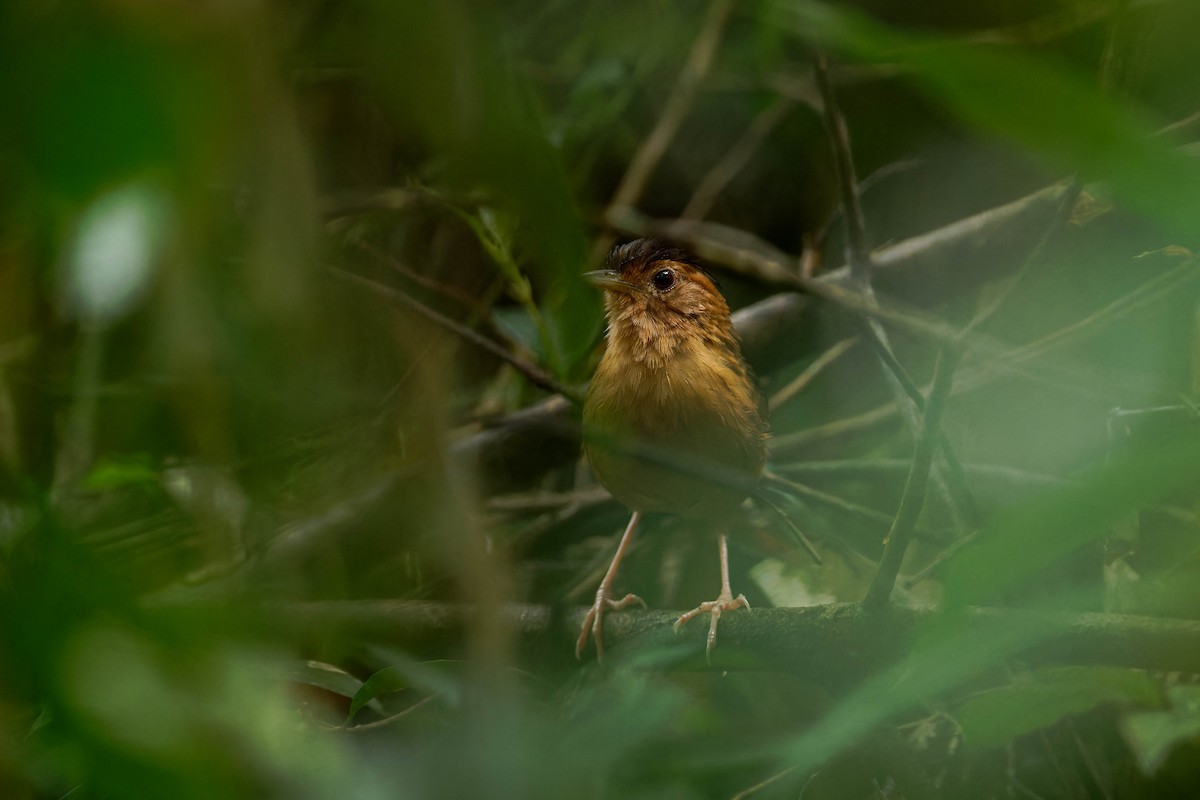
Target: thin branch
point(858, 252)
point(996, 362)
point(883, 350)
point(679, 102)
point(1061, 217)
point(729, 165)
point(935, 566)
point(792, 488)
point(387, 198)
point(447, 290)
point(532, 372)
point(810, 373)
point(541, 501)
point(913, 500)
point(750, 791)
point(950, 483)
point(801, 537)
point(379, 723)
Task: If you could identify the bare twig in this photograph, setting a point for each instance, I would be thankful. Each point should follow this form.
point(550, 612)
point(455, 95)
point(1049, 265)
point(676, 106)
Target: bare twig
point(810, 373)
point(679, 102)
point(380, 723)
point(424, 281)
point(950, 483)
point(998, 362)
point(913, 500)
point(858, 252)
point(826, 499)
point(387, 198)
point(936, 565)
point(801, 537)
point(532, 372)
point(1061, 217)
point(750, 791)
point(532, 502)
point(717, 178)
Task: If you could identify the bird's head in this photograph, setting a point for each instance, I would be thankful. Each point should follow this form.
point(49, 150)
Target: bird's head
point(657, 287)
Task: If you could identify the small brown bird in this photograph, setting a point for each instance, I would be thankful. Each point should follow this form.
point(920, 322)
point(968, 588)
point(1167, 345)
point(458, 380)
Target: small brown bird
point(672, 420)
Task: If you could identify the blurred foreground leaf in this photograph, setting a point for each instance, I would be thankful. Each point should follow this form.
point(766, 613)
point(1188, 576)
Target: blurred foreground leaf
point(1021, 543)
point(992, 718)
point(1154, 734)
point(1046, 106)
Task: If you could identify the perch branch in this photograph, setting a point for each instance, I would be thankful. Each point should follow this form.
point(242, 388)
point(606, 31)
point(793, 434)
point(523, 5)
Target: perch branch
point(830, 642)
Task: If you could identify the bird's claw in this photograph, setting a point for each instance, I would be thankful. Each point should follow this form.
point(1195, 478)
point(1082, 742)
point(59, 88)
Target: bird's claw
point(593, 622)
point(725, 602)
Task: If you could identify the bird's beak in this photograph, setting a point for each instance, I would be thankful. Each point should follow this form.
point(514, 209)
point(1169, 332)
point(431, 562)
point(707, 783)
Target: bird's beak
point(610, 280)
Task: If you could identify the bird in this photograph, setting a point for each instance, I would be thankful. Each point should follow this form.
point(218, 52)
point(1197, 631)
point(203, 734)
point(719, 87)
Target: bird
point(673, 420)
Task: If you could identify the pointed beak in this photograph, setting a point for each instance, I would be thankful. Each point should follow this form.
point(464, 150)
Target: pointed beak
point(610, 280)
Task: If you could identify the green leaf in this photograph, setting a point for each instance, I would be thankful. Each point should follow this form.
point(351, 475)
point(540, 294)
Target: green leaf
point(493, 229)
point(323, 676)
point(1049, 107)
point(429, 676)
point(1153, 734)
point(385, 681)
point(1026, 540)
point(993, 718)
point(119, 471)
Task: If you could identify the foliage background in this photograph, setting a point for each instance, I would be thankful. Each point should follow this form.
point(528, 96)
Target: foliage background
point(225, 440)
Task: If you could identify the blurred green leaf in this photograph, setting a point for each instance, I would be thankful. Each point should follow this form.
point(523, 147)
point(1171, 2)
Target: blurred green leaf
point(91, 100)
point(437, 676)
point(1035, 700)
point(329, 677)
point(1044, 105)
point(1154, 734)
point(116, 471)
point(494, 231)
point(429, 676)
point(120, 682)
point(385, 681)
point(1024, 541)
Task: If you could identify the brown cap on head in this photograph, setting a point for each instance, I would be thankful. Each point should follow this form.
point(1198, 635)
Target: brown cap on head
point(648, 251)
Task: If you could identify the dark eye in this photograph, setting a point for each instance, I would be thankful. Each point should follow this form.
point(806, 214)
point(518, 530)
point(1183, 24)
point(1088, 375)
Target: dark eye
point(663, 279)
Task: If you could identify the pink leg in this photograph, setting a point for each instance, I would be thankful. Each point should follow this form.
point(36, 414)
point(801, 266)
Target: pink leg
point(594, 621)
point(724, 602)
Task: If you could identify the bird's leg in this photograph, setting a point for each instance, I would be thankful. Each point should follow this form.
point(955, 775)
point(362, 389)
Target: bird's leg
point(594, 621)
point(725, 602)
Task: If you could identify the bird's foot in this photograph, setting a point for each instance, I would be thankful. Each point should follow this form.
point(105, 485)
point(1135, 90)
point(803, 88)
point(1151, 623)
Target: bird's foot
point(724, 602)
point(594, 621)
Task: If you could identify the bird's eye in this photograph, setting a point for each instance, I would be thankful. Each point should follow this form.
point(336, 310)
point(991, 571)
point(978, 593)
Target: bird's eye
point(663, 279)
